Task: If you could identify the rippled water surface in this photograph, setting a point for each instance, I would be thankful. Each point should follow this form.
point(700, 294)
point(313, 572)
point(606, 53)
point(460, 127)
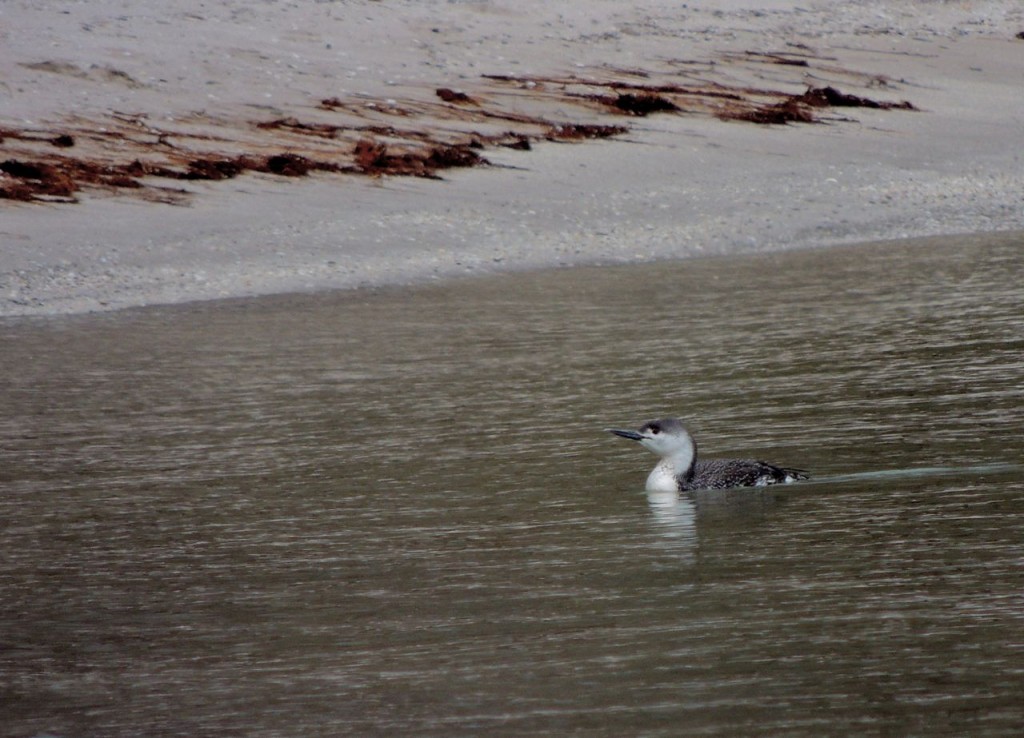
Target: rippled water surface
point(397, 513)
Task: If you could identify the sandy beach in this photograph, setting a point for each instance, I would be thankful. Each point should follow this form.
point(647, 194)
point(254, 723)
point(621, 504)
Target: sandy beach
point(498, 183)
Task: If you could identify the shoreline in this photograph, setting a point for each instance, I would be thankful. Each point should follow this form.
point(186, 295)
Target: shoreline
point(676, 185)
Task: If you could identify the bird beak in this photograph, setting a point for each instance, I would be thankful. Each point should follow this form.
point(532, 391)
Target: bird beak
point(631, 435)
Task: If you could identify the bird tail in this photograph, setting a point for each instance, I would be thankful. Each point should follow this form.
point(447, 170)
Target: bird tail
point(794, 475)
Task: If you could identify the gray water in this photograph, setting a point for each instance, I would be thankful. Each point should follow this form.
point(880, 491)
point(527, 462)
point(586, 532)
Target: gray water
point(397, 513)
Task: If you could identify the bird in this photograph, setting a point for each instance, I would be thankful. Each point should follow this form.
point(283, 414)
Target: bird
point(679, 470)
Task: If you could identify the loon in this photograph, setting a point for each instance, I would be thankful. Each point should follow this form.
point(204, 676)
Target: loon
point(679, 470)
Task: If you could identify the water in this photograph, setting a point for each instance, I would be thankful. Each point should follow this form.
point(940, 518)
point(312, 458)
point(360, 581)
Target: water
point(396, 513)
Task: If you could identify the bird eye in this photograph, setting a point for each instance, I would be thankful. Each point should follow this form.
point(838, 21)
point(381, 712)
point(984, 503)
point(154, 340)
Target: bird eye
point(655, 429)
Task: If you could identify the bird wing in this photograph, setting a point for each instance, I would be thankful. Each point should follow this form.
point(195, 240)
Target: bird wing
point(724, 473)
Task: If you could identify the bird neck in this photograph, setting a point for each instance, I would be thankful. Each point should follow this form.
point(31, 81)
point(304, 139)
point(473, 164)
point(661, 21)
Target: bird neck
point(673, 469)
point(685, 457)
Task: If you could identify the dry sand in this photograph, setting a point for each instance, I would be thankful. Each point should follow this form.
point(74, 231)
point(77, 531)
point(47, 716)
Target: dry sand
point(675, 185)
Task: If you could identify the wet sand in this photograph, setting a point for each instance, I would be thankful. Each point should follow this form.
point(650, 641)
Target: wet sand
point(290, 83)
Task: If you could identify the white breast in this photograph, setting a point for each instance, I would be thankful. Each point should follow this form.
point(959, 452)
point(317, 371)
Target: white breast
point(662, 479)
